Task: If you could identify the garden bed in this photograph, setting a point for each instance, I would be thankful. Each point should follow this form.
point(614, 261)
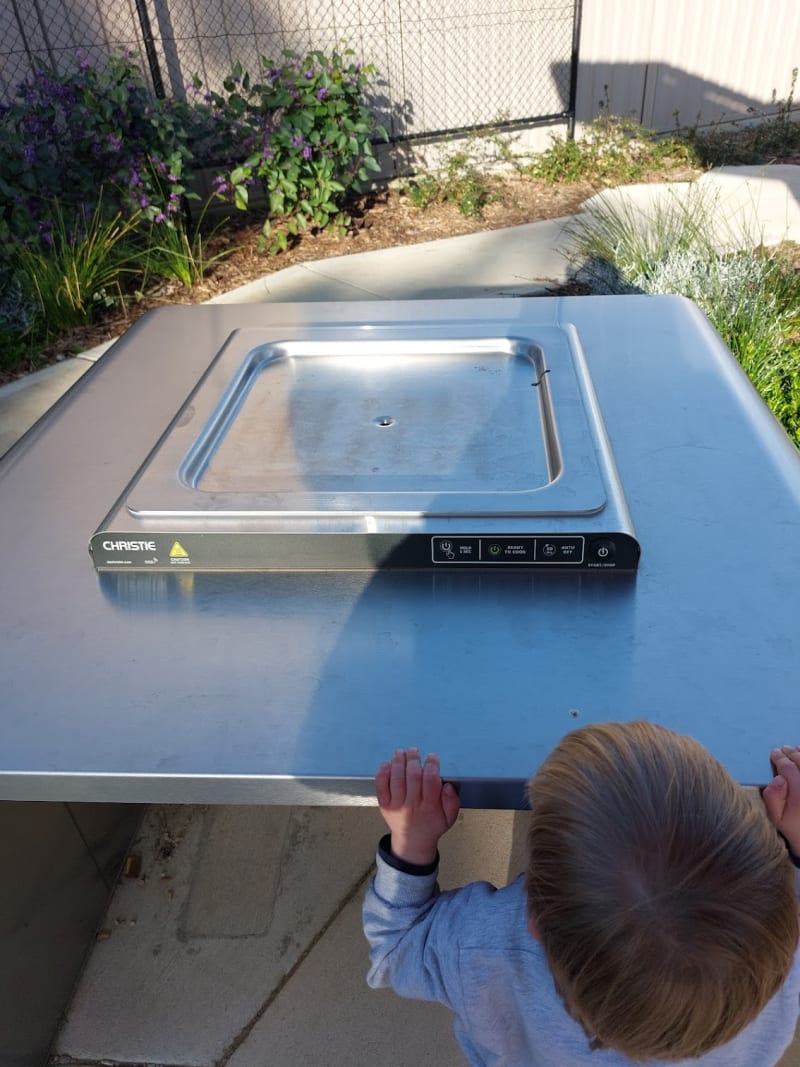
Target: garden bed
point(383, 219)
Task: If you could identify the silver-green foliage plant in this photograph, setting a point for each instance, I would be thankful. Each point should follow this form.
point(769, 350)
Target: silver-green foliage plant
point(17, 317)
point(751, 295)
point(616, 231)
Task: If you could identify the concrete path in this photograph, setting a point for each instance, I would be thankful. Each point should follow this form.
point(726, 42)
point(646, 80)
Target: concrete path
point(235, 939)
point(240, 944)
point(745, 206)
point(521, 261)
point(752, 204)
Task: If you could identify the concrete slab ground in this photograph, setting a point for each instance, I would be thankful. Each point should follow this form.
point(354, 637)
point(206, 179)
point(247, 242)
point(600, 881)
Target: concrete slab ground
point(521, 261)
point(743, 206)
point(240, 943)
point(23, 402)
point(61, 864)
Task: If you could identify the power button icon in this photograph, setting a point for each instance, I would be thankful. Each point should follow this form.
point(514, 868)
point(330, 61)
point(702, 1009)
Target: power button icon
point(603, 550)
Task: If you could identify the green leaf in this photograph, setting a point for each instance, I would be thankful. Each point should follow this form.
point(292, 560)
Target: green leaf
point(240, 197)
point(279, 243)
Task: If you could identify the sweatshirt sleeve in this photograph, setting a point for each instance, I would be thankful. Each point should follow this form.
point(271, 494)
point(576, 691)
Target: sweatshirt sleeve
point(412, 933)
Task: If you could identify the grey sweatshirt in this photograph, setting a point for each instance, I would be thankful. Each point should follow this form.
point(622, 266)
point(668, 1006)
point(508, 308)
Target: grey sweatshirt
point(470, 949)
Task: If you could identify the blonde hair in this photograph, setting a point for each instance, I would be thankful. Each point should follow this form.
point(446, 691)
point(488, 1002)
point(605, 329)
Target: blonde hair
point(662, 895)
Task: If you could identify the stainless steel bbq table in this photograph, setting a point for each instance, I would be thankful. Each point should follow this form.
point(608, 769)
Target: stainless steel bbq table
point(320, 531)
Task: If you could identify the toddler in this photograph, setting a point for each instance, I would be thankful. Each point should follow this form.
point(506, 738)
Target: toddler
point(657, 921)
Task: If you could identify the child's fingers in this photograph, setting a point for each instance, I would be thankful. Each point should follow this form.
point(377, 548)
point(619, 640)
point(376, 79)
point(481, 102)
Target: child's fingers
point(786, 762)
point(382, 789)
point(451, 803)
point(406, 782)
point(790, 751)
point(413, 776)
point(431, 780)
point(397, 778)
point(774, 796)
point(434, 792)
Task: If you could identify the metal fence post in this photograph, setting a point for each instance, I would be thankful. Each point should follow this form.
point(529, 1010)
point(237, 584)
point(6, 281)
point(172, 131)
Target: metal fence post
point(573, 75)
point(150, 49)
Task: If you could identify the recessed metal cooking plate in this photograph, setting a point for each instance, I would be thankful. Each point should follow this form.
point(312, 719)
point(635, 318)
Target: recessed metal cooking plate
point(366, 448)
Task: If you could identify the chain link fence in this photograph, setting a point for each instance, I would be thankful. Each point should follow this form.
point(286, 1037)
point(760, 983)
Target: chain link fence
point(444, 65)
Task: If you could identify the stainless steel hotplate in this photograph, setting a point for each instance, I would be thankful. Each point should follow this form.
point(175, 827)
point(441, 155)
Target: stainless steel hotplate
point(368, 447)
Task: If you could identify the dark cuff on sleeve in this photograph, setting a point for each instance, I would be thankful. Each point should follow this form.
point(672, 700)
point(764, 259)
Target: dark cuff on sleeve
point(385, 850)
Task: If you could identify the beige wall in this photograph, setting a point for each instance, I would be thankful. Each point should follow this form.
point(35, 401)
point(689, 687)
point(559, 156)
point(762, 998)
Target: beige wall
point(715, 58)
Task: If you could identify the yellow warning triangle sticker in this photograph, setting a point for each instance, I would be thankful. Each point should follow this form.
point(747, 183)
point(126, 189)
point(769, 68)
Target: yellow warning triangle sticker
point(178, 551)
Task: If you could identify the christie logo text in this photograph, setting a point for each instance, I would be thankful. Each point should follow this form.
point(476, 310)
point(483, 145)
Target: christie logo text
point(129, 546)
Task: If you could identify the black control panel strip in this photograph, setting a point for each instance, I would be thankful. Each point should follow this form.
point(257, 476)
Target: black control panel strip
point(193, 551)
point(508, 550)
point(569, 550)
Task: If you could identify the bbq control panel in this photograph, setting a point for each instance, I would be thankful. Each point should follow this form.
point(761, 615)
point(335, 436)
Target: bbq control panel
point(573, 550)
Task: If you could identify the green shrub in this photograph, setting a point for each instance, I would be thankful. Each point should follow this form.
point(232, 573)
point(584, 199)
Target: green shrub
point(306, 132)
point(613, 150)
point(468, 178)
point(65, 136)
point(97, 176)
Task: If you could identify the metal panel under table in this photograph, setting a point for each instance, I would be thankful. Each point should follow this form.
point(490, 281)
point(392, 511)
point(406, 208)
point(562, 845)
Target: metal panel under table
point(291, 687)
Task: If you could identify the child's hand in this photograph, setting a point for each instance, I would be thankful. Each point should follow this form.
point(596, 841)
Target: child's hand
point(417, 807)
point(782, 796)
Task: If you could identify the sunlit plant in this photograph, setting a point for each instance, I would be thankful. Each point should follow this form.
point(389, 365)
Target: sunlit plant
point(308, 133)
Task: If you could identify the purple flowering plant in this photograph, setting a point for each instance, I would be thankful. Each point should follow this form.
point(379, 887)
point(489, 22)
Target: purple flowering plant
point(94, 166)
point(312, 134)
point(66, 135)
point(93, 186)
point(303, 133)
